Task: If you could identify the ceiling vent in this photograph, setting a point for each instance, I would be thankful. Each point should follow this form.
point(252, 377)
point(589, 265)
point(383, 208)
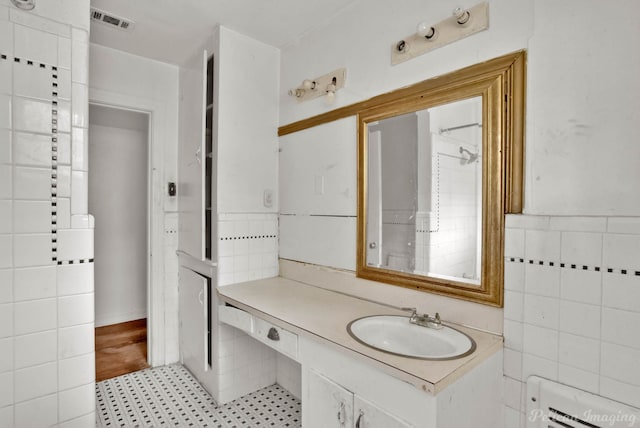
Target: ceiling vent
point(110, 19)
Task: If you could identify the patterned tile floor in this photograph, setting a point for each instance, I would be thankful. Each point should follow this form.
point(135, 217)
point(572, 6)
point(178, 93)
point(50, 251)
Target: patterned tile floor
point(170, 396)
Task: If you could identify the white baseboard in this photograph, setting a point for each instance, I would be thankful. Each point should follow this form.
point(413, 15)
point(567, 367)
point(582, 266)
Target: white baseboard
point(118, 318)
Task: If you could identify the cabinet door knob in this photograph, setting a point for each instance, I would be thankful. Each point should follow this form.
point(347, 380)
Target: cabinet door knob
point(273, 334)
point(360, 416)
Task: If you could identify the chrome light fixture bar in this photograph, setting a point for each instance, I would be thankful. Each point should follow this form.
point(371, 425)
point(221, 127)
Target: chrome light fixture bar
point(325, 85)
point(462, 23)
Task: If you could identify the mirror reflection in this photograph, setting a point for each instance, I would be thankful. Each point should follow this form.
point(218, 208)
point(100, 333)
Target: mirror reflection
point(424, 188)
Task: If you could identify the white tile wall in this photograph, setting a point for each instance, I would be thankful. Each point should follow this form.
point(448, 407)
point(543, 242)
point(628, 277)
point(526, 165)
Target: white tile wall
point(64, 149)
point(79, 149)
point(31, 115)
point(5, 136)
point(31, 216)
point(80, 106)
point(576, 281)
point(76, 402)
point(247, 247)
point(76, 371)
point(32, 183)
point(247, 250)
point(6, 355)
point(31, 149)
point(35, 349)
point(6, 216)
point(34, 315)
point(75, 279)
point(46, 318)
point(6, 389)
point(76, 340)
point(32, 250)
point(64, 183)
point(64, 84)
point(244, 364)
point(74, 310)
point(75, 244)
point(27, 82)
point(5, 108)
point(34, 382)
point(6, 285)
point(5, 111)
point(79, 186)
point(6, 251)
point(6, 320)
point(6, 181)
point(6, 37)
point(42, 412)
point(34, 283)
point(35, 45)
point(64, 116)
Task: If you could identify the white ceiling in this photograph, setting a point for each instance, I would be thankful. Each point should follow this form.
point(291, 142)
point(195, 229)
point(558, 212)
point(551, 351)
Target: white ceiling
point(167, 30)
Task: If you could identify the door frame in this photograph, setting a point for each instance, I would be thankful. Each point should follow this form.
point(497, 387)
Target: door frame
point(156, 341)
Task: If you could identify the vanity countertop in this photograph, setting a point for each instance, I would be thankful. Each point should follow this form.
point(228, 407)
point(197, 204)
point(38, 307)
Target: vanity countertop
point(323, 315)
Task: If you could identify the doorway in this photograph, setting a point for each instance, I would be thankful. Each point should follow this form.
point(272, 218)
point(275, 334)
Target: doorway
point(119, 201)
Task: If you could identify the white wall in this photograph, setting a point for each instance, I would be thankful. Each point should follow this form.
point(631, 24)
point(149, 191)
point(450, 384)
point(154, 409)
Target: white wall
point(581, 152)
point(580, 110)
point(124, 80)
point(247, 118)
point(47, 369)
point(118, 184)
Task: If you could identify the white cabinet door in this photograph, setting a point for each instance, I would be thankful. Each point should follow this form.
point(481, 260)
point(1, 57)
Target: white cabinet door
point(368, 415)
point(194, 341)
point(191, 156)
point(329, 405)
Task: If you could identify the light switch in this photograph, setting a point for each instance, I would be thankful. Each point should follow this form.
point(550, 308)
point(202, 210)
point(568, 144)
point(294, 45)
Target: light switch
point(267, 198)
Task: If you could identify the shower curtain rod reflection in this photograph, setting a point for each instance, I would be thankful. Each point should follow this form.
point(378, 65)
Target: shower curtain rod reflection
point(455, 128)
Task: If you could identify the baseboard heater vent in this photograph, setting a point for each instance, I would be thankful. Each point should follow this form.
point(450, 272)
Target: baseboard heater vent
point(554, 405)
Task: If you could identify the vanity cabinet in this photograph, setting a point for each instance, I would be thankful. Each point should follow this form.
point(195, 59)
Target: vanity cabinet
point(347, 385)
point(335, 406)
point(339, 387)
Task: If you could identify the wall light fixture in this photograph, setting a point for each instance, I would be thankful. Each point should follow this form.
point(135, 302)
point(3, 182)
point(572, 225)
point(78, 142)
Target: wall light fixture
point(462, 23)
point(24, 4)
point(325, 85)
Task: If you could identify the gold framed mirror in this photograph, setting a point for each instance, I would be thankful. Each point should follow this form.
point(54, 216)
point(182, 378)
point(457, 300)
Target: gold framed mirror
point(439, 165)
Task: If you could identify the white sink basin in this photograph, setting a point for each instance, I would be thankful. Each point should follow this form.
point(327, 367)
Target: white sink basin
point(395, 335)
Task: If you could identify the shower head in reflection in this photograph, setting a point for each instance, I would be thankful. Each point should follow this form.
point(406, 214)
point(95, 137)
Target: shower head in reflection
point(472, 156)
point(24, 4)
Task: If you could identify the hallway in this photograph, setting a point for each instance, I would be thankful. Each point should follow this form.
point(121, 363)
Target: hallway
point(121, 349)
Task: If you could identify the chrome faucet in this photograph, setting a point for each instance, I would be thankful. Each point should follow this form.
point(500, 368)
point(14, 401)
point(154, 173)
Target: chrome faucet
point(424, 320)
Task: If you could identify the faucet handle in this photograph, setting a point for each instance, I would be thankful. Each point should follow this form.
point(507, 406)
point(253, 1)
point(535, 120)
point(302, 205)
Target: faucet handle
point(412, 310)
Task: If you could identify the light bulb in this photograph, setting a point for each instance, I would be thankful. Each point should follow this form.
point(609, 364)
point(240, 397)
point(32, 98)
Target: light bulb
point(462, 15)
point(425, 30)
point(308, 84)
point(330, 98)
point(296, 92)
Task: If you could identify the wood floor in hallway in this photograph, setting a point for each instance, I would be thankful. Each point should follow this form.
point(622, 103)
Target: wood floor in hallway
point(121, 349)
